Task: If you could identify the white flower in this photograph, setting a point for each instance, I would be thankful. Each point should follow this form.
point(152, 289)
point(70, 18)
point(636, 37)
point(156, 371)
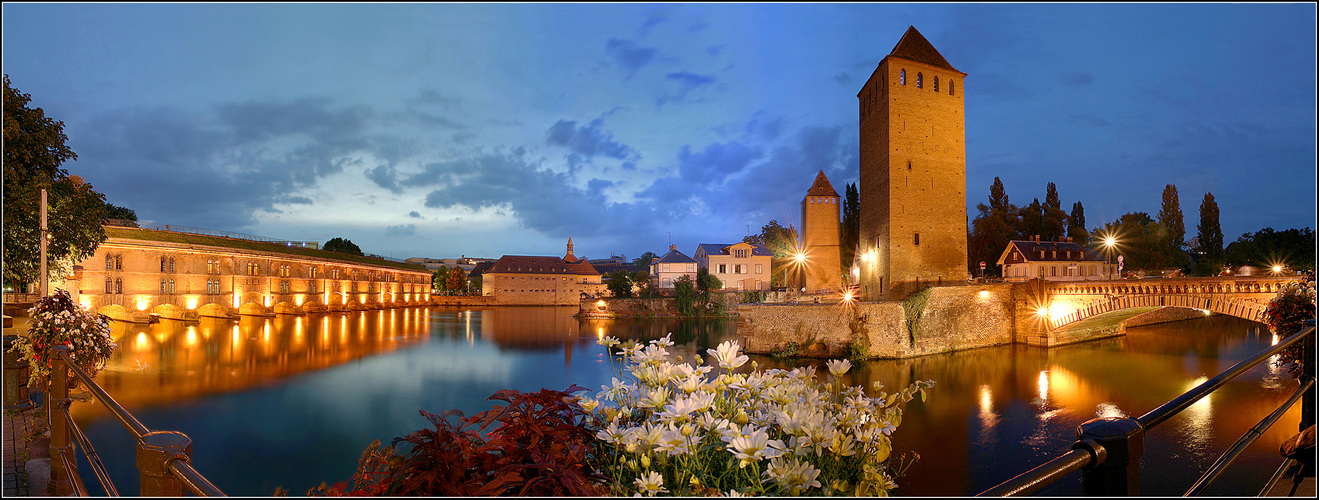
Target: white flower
point(754, 446)
point(678, 409)
point(673, 442)
point(608, 341)
point(727, 355)
point(655, 398)
point(612, 434)
point(664, 341)
point(651, 484)
point(838, 366)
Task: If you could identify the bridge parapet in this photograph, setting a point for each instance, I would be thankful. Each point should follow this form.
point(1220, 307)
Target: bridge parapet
point(1240, 296)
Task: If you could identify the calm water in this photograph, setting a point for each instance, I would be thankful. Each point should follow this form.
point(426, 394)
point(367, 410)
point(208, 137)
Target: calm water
point(293, 401)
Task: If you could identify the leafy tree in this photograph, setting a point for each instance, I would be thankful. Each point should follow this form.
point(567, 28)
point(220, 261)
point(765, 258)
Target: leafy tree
point(342, 245)
point(643, 262)
point(850, 231)
point(688, 299)
point(457, 280)
point(1170, 215)
point(781, 241)
point(1076, 225)
point(1291, 248)
point(1052, 218)
point(1210, 236)
point(991, 230)
point(1139, 239)
point(619, 283)
point(1032, 219)
point(34, 150)
point(706, 282)
point(474, 285)
point(440, 279)
point(113, 211)
point(642, 285)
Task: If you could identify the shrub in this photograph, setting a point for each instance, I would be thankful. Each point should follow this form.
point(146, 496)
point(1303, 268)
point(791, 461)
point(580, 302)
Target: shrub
point(669, 427)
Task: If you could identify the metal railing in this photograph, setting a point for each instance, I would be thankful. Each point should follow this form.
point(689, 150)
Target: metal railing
point(162, 456)
point(1108, 450)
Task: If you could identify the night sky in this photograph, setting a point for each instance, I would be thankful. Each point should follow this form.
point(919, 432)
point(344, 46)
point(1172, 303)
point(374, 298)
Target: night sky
point(439, 130)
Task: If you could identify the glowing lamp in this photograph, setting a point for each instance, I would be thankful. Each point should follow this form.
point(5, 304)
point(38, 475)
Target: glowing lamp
point(142, 303)
point(984, 294)
point(192, 303)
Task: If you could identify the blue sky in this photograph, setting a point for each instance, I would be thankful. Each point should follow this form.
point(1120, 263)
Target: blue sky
point(439, 130)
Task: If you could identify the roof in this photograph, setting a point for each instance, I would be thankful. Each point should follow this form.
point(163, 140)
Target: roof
point(1030, 251)
point(915, 47)
point(675, 257)
point(132, 233)
point(525, 264)
point(722, 249)
point(612, 267)
point(481, 268)
point(821, 187)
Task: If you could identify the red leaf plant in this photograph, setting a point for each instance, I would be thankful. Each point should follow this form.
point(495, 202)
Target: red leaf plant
point(539, 448)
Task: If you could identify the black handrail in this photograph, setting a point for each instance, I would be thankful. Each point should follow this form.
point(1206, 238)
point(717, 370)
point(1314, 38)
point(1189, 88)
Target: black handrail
point(1246, 439)
point(1126, 438)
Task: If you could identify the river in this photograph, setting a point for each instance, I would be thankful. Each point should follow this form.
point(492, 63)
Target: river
point(292, 401)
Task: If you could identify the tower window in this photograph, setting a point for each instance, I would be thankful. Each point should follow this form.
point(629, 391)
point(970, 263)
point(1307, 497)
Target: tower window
point(950, 87)
point(908, 164)
point(918, 80)
point(902, 77)
point(916, 240)
point(934, 84)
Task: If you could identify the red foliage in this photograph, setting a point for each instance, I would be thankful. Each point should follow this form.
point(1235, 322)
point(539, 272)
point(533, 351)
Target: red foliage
point(539, 448)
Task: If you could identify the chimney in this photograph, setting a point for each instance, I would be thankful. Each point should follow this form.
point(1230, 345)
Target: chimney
point(1069, 239)
point(1036, 238)
point(673, 247)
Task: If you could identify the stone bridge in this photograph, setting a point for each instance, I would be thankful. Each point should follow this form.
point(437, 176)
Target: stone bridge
point(1064, 303)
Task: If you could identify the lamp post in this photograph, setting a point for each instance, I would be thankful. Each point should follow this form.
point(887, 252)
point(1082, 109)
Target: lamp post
point(1108, 243)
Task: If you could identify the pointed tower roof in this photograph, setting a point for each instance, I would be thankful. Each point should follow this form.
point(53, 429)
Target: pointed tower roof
point(821, 187)
point(914, 46)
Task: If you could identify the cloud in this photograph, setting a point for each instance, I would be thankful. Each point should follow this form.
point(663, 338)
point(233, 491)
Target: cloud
point(414, 214)
point(842, 78)
point(385, 177)
point(690, 80)
point(1076, 79)
point(589, 140)
point(298, 200)
point(716, 162)
point(401, 230)
point(627, 54)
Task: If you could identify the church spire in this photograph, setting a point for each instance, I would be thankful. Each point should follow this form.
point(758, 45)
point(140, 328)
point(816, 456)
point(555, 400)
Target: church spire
point(570, 257)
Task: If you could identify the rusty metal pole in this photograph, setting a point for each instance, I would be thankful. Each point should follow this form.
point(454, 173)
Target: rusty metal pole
point(1308, 369)
point(1123, 441)
point(57, 398)
point(155, 450)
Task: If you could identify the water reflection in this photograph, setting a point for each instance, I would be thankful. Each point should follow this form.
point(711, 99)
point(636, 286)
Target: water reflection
point(293, 401)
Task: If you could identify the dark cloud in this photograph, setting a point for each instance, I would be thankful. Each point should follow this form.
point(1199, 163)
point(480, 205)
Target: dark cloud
point(1076, 79)
point(842, 78)
point(765, 129)
point(690, 80)
point(401, 230)
point(298, 200)
point(589, 140)
point(627, 54)
point(716, 163)
point(414, 214)
point(385, 177)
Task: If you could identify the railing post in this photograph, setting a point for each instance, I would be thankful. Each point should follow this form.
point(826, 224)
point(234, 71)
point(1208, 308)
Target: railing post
point(1308, 369)
point(1118, 473)
point(57, 396)
point(154, 452)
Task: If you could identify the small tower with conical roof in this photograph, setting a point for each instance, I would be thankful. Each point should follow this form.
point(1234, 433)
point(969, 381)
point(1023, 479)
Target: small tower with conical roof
point(570, 258)
point(913, 171)
point(820, 269)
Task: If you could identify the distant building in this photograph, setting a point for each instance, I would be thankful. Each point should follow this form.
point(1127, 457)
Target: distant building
point(1054, 261)
point(739, 266)
point(464, 262)
point(821, 271)
point(536, 280)
point(664, 270)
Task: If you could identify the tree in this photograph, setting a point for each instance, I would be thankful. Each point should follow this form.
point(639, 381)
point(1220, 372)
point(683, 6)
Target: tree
point(643, 262)
point(850, 231)
point(706, 282)
point(1210, 236)
point(1076, 225)
point(782, 244)
point(34, 152)
point(1140, 237)
point(440, 279)
point(642, 286)
point(991, 230)
point(113, 211)
point(342, 245)
point(1052, 218)
point(457, 280)
point(1032, 219)
point(1291, 248)
point(687, 297)
point(1174, 236)
point(619, 283)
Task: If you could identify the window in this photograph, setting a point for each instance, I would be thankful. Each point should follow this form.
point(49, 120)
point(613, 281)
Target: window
point(1053, 270)
point(171, 286)
point(162, 287)
point(163, 263)
point(902, 77)
point(918, 80)
point(740, 269)
point(916, 239)
point(1041, 271)
point(950, 87)
point(311, 272)
point(934, 84)
point(758, 268)
point(171, 264)
point(119, 262)
point(109, 262)
point(109, 285)
point(723, 268)
point(118, 282)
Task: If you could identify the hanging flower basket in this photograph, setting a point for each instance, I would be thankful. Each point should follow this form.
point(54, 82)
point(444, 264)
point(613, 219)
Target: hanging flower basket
point(1286, 315)
point(58, 320)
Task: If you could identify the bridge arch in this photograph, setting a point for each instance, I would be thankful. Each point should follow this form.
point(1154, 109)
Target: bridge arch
point(1231, 306)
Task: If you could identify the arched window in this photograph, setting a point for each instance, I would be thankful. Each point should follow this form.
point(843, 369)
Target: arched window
point(934, 84)
point(109, 285)
point(163, 263)
point(118, 283)
point(162, 287)
point(109, 262)
point(171, 264)
point(171, 286)
point(119, 262)
point(918, 80)
point(902, 77)
point(950, 87)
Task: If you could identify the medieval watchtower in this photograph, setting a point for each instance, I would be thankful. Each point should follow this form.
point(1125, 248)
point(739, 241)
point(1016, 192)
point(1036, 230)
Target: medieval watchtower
point(819, 237)
point(913, 171)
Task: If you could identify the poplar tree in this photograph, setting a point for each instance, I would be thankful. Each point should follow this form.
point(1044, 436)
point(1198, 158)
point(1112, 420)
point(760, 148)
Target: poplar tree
point(991, 230)
point(1170, 216)
point(1052, 217)
point(1210, 236)
point(850, 231)
point(1076, 225)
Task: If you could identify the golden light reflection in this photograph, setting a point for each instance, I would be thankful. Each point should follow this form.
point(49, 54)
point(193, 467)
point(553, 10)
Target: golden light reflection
point(984, 294)
point(236, 299)
point(1108, 410)
point(86, 302)
point(1044, 386)
point(988, 418)
point(599, 333)
point(190, 341)
point(141, 342)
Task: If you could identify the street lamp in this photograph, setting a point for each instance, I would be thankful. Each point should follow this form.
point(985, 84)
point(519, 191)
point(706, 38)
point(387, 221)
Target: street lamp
point(1109, 242)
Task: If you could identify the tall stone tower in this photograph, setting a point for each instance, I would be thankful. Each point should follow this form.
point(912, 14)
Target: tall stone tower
point(819, 237)
point(913, 171)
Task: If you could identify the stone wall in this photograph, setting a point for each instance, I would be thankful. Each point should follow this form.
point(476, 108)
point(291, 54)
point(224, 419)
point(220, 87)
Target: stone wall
point(611, 307)
point(954, 318)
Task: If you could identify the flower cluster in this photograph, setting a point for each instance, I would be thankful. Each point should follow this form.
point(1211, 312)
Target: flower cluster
point(665, 426)
point(57, 320)
point(1287, 312)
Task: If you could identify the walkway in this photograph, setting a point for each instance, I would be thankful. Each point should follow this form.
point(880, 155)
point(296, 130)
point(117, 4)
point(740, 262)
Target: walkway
point(19, 449)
